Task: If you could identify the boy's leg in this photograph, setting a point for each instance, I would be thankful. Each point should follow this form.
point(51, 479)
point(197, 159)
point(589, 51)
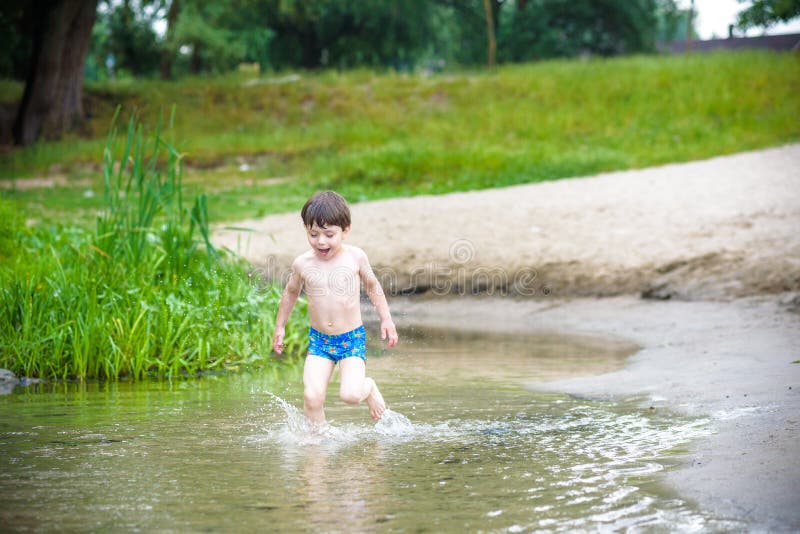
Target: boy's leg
point(317, 372)
point(357, 387)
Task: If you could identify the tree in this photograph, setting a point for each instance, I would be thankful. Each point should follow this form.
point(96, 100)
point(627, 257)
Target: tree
point(766, 13)
point(490, 33)
point(14, 47)
point(470, 24)
point(132, 41)
point(347, 33)
point(215, 35)
point(671, 22)
point(210, 46)
point(246, 22)
point(124, 40)
point(168, 55)
point(51, 101)
point(567, 28)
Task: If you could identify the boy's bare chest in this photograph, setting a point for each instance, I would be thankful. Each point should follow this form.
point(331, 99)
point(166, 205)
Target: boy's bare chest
point(336, 278)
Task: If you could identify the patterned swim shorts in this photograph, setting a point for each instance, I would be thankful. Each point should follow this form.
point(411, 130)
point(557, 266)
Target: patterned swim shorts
point(336, 347)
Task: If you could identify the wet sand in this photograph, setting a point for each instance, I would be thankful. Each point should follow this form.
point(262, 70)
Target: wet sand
point(728, 361)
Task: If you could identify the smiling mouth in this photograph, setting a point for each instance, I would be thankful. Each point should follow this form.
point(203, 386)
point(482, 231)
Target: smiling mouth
point(323, 251)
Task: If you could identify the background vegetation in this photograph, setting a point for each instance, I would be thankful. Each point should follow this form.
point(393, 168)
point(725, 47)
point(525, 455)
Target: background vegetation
point(215, 36)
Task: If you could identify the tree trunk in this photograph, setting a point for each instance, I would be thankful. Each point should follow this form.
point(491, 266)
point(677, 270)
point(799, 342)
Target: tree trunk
point(689, 25)
point(490, 25)
point(168, 55)
point(195, 63)
point(310, 51)
point(52, 100)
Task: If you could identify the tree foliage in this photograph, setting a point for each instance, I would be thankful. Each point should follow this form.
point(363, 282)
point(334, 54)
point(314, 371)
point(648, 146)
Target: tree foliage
point(538, 29)
point(344, 34)
point(672, 22)
point(15, 46)
point(131, 38)
point(766, 13)
point(200, 36)
point(465, 31)
point(124, 39)
point(567, 28)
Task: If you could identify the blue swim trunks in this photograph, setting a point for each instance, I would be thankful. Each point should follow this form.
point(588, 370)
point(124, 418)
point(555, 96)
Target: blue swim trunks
point(336, 347)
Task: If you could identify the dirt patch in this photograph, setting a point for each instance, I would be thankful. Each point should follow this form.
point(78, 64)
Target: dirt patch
point(43, 182)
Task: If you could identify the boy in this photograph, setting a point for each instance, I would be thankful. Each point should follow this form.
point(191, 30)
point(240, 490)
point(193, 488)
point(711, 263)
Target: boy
point(330, 273)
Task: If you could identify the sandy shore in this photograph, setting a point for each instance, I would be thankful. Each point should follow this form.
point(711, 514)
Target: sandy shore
point(719, 238)
point(728, 226)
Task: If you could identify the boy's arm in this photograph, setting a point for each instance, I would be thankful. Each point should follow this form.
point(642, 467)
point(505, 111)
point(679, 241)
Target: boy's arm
point(376, 295)
point(288, 300)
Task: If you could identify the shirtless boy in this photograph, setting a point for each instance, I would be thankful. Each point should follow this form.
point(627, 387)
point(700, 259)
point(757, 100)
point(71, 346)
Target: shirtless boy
point(332, 273)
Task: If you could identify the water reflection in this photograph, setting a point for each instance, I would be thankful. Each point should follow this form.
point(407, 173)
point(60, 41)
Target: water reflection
point(441, 354)
point(340, 488)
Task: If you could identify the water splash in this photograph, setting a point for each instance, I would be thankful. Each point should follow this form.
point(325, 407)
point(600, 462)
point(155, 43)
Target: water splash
point(293, 429)
point(394, 424)
point(295, 421)
point(296, 430)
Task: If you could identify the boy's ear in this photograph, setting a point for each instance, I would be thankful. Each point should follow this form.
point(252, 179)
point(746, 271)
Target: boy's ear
point(345, 231)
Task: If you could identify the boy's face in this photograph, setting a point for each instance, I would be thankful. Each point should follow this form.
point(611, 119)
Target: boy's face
point(326, 241)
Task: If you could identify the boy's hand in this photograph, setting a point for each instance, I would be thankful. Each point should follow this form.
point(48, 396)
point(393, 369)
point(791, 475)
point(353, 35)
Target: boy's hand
point(388, 331)
point(277, 340)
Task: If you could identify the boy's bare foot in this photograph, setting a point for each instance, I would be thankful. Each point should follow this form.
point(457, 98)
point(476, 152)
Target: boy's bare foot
point(376, 403)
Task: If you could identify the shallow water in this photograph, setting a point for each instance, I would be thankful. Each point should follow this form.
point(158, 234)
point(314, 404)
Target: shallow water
point(465, 447)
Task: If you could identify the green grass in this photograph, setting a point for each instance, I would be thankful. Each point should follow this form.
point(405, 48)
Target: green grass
point(380, 135)
point(143, 294)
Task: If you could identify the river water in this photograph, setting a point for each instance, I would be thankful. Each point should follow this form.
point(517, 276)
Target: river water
point(465, 447)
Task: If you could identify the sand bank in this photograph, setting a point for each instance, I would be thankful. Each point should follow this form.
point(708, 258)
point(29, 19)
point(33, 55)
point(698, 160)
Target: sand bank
point(724, 227)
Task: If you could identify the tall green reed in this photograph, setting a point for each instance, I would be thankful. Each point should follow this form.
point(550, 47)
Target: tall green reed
point(145, 294)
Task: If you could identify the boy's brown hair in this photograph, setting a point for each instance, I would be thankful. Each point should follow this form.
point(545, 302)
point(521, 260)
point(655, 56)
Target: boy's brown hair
point(326, 208)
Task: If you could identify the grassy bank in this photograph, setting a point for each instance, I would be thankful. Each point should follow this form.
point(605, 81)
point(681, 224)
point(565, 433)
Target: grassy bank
point(142, 294)
point(260, 145)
